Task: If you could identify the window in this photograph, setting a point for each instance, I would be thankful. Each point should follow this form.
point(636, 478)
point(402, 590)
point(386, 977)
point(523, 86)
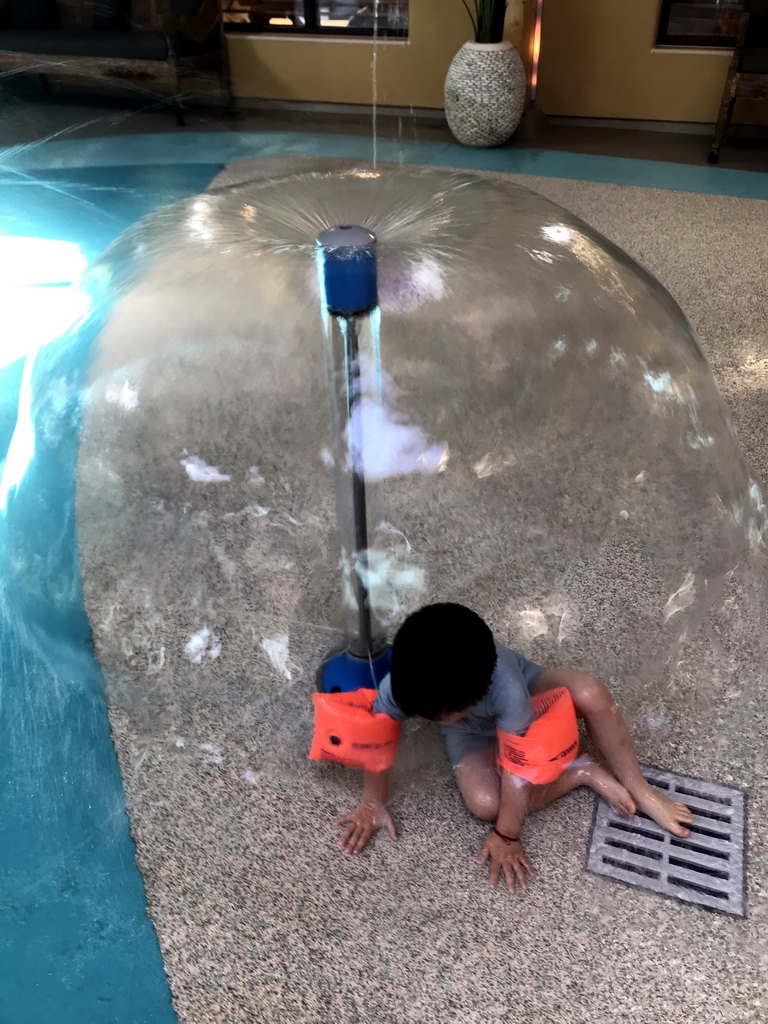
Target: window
point(699, 22)
point(318, 17)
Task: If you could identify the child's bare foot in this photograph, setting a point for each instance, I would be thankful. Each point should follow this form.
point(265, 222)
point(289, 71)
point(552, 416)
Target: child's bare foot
point(665, 812)
point(588, 773)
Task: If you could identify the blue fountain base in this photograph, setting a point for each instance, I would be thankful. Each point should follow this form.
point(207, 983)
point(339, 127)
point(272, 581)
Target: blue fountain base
point(343, 673)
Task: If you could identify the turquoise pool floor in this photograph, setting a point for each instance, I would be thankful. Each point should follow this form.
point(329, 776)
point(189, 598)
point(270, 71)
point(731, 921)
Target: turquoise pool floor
point(77, 945)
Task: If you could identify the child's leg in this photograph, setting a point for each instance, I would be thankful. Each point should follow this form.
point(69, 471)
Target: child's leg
point(608, 730)
point(479, 783)
point(583, 772)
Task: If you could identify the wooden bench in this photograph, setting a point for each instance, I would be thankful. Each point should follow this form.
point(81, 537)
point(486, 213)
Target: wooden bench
point(748, 72)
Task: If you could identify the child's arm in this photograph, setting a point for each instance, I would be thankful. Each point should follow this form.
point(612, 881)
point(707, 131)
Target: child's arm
point(369, 816)
point(504, 850)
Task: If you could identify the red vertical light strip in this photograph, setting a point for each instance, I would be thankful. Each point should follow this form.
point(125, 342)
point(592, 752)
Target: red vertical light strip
point(535, 48)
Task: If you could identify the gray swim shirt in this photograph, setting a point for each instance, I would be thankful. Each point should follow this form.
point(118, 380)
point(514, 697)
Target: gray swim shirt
point(506, 705)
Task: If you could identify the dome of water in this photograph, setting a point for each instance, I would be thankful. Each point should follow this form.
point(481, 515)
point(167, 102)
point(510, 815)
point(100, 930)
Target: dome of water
point(542, 431)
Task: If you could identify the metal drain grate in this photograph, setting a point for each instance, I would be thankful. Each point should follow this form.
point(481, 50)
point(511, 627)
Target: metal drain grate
point(707, 869)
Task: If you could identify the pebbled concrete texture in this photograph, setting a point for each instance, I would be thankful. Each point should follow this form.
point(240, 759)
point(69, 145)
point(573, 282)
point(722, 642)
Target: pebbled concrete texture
point(259, 916)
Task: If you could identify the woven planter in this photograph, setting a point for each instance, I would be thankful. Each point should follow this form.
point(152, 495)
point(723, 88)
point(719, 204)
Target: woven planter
point(485, 93)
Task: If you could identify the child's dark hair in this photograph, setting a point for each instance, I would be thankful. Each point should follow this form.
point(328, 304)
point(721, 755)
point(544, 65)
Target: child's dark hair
point(443, 657)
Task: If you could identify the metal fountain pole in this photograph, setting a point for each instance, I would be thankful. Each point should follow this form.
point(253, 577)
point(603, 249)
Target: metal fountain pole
point(348, 274)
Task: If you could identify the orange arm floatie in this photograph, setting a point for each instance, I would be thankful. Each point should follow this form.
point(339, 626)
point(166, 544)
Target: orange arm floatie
point(549, 745)
point(347, 731)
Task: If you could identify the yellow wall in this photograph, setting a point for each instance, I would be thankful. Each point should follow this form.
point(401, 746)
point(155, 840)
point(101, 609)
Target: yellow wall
point(409, 73)
point(596, 61)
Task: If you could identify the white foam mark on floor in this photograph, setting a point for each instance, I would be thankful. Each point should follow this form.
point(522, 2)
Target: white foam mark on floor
point(202, 644)
point(533, 623)
point(562, 294)
point(617, 356)
point(126, 397)
point(201, 472)
point(383, 445)
point(156, 662)
point(640, 478)
point(491, 464)
point(393, 583)
point(624, 514)
point(251, 777)
point(276, 649)
point(682, 598)
point(213, 754)
point(381, 442)
point(328, 459)
point(389, 528)
point(180, 742)
point(558, 612)
point(254, 476)
point(591, 346)
point(655, 719)
point(195, 647)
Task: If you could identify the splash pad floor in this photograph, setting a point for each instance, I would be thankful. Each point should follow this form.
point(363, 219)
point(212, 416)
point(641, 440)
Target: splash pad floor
point(260, 918)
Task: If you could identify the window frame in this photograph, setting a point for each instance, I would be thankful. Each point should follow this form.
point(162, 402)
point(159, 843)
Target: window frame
point(665, 38)
point(312, 27)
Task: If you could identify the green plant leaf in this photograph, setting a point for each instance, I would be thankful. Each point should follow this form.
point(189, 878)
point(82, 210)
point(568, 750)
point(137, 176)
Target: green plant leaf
point(474, 22)
point(490, 20)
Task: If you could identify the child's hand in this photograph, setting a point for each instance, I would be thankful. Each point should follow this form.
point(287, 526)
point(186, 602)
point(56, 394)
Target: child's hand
point(362, 824)
point(507, 857)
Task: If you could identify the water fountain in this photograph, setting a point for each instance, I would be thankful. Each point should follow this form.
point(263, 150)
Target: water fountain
point(541, 435)
point(347, 263)
point(316, 402)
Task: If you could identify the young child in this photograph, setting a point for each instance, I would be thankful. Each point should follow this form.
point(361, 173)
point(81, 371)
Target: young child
point(447, 667)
